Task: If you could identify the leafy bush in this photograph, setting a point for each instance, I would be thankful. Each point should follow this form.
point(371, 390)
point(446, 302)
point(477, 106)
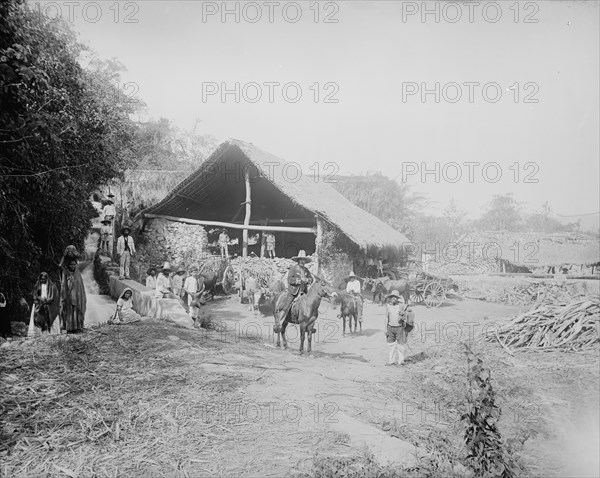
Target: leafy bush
point(488, 456)
point(64, 133)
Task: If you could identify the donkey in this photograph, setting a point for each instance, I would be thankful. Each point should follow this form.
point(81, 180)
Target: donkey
point(304, 312)
point(351, 308)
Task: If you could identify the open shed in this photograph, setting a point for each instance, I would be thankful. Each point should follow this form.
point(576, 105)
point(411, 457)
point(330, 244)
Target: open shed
point(249, 192)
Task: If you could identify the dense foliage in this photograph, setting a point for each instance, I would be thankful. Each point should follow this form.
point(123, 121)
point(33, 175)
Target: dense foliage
point(64, 130)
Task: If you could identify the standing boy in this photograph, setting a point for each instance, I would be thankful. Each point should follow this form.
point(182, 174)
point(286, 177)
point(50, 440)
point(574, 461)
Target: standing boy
point(399, 322)
point(105, 233)
point(223, 243)
point(271, 245)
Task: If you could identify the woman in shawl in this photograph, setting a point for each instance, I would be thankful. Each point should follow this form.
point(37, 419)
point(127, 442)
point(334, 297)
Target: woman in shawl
point(125, 313)
point(72, 297)
point(46, 305)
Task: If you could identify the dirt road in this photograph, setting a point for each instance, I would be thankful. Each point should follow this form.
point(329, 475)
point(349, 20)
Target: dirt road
point(152, 399)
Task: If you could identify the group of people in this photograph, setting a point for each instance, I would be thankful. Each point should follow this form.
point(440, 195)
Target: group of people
point(54, 310)
point(177, 284)
point(224, 240)
point(106, 231)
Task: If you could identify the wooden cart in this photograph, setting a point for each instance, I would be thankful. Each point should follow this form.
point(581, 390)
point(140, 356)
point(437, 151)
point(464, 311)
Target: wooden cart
point(430, 288)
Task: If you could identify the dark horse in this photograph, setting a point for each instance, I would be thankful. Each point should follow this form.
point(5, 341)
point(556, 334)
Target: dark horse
point(384, 286)
point(349, 308)
point(304, 312)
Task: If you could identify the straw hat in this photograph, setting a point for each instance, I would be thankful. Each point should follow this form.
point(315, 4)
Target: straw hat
point(166, 267)
point(394, 293)
point(352, 274)
point(302, 255)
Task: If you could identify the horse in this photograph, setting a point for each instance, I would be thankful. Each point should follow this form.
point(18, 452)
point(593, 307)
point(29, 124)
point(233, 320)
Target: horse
point(303, 311)
point(350, 308)
point(385, 285)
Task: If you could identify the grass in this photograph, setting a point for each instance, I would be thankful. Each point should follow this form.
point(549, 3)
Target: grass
point(112, 402)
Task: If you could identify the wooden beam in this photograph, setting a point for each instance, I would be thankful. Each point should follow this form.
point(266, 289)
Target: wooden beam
point(248, 212)
point(299, 230)
point(318, 240)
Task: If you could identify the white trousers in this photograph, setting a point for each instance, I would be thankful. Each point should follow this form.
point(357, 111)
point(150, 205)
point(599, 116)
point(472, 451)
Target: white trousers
point(396, 353)
point(124, 264)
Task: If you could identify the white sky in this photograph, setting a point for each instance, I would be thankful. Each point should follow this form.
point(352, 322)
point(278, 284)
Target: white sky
point(369, 54)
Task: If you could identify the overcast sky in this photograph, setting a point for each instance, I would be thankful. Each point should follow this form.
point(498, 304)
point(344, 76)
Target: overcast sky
point(370, 61)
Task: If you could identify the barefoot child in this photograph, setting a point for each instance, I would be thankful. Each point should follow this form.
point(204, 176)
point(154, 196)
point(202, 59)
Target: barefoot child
point(399, 323)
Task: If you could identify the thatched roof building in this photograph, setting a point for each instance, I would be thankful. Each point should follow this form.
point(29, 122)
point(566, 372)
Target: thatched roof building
point(283, 198)
point(534, 249)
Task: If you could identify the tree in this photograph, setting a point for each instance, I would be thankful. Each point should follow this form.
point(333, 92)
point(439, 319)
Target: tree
point(383, 197)
point(63, 132)
point(503, 214)
point(542, 221)
point(455, 219)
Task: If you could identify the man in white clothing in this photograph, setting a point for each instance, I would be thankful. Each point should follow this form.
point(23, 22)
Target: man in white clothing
point(109, 210)
point(191, 287)
point(125, 250)
point(353, 287)
point(163, 284)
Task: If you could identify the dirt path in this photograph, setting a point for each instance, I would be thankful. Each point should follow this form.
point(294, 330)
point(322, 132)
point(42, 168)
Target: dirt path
point(152, 399)
point(345, 387)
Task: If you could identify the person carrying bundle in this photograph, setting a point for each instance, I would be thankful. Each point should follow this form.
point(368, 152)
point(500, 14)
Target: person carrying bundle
point(399, 322)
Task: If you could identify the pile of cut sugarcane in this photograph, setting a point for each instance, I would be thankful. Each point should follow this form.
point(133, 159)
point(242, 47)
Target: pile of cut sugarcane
point(573, 326)
point(262, 269)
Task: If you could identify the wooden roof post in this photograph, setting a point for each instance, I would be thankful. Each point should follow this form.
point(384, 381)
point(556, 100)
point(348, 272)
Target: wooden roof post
point(318, 240)
point(248, 211)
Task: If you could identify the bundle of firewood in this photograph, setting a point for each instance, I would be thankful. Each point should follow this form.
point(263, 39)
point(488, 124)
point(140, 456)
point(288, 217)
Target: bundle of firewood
point(262, 269)
point(574, 325)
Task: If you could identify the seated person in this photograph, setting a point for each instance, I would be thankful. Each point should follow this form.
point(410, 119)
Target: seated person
point(125, 313)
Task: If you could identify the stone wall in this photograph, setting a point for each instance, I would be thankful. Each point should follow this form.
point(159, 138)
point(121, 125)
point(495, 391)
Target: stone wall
point(170, 241)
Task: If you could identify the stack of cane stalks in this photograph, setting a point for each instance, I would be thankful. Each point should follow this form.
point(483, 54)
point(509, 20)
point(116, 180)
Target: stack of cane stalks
point(572, 326)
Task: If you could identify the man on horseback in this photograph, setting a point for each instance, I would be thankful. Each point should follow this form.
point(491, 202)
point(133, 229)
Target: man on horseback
point(299, 278)
point(353, 287)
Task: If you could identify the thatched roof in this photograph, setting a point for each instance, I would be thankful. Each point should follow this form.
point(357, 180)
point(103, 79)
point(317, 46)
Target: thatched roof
point(201, 191)
point(535, 249)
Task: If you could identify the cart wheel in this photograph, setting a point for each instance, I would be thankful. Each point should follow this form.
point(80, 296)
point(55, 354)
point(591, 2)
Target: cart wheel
point(416, 296)
point(228, 280)
point(434, 295)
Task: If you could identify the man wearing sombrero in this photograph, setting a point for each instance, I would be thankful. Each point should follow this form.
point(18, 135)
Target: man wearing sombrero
point(353, 287)
point(399, 322)
point(299, 278)
point(163, 284)
point(125, 250)
point(109, 210)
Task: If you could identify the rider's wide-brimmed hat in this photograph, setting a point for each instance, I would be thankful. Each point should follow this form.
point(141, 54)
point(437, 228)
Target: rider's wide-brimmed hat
point(302, 255)
point(394, 293)
point(105, 221)
point(166, 267)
